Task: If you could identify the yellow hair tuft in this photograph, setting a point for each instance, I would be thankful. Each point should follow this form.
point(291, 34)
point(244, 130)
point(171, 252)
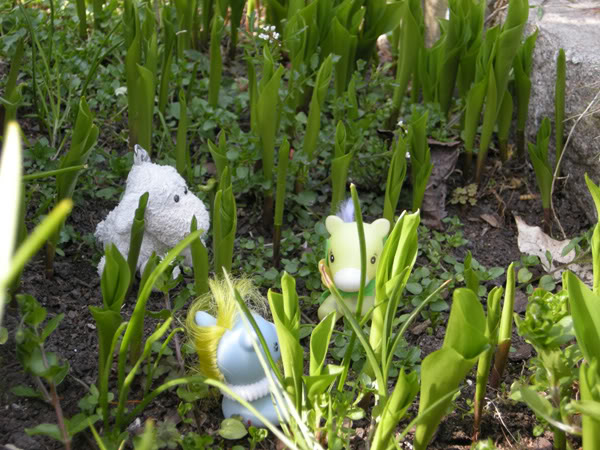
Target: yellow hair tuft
point(219, 302)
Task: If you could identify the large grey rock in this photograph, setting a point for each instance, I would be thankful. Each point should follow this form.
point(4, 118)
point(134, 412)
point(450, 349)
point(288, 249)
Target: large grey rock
point(575, 27)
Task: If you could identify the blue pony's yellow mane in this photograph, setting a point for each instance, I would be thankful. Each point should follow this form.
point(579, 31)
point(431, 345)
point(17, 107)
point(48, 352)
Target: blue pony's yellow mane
point(219, 302)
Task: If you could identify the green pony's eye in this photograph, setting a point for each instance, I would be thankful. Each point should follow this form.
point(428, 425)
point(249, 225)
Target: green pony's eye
point(373, 259)
point(331, 258)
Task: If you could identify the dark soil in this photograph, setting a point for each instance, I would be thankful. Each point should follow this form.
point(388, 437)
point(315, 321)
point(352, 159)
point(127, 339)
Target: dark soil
point(76, 286)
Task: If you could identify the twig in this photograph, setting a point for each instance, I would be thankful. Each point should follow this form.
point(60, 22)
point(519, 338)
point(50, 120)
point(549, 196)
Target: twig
point(59, 416)
point(562, 154)
point(307, 319)
point(55, 401)
point(81, 382)
point(501, 420)
point(494, 13)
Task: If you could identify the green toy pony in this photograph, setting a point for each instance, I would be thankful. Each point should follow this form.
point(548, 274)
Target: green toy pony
point(343, 258)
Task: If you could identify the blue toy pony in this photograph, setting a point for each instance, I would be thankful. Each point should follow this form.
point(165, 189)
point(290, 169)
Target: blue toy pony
point(225, 349)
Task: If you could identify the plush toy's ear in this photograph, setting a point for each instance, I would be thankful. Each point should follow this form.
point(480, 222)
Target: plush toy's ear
point(140, 155)
point(382, 227)
point(333, 223)
point(204, 319)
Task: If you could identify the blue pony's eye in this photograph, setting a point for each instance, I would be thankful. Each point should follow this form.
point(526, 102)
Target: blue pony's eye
point(276, 346)
point(176, 198)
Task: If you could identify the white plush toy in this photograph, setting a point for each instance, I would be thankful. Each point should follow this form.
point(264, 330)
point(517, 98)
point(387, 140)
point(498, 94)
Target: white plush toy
point(169, 212)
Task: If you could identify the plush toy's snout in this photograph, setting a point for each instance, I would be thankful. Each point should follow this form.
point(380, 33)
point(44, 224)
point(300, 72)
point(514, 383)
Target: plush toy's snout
point(169, 213)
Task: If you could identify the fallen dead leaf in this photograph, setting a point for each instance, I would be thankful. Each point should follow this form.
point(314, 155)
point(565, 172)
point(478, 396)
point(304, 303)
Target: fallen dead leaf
point(433, 208)
point(533, 241)
point(491, 219)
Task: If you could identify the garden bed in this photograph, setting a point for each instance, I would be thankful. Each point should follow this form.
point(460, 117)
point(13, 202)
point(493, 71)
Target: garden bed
point(77, 285)
point(480, 219)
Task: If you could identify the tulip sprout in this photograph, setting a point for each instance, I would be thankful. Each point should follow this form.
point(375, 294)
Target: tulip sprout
point(395, 178)
point(538, 153)
point(522, 65)
point(339, 167)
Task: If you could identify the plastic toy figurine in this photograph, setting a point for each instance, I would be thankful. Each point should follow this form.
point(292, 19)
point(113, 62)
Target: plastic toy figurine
point(169, 212)
point(225, 349)
point(343, 258)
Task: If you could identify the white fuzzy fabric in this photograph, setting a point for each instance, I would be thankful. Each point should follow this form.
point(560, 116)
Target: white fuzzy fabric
point(250, 392)
point(167, 221)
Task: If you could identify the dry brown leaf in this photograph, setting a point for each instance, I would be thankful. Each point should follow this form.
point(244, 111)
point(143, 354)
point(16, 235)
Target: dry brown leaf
point(533, 241)
point(491, 219)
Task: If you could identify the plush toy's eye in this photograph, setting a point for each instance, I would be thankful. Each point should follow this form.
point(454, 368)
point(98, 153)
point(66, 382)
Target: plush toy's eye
point(185, 191)
point(276, 346)
point(331, 258)
point(373, 259)
point(176, 198)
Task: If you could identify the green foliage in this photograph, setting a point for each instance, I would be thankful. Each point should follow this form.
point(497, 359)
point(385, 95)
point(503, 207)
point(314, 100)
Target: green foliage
point(84, 138)
point(47, 368)
point(282, 168)
point(169, 39)
point(137, 235)
point(595, 243)
point(182, 154)
point(420, 156)
point(140, 69)
point(316, 105)
point(219, 153)
point(114, 333)
point(224, 224)
point(216, 64)
point(522, 65)
point(339, 167)
point(464, 195)
point(505, 49)
point(541, 164)
point(464, 341)
point(411, 42)
point(199, 261)
point(12, 93)
point(548, 327)
point(11, 168)
point(395, 178)
point(13, 258)
point(485, 360)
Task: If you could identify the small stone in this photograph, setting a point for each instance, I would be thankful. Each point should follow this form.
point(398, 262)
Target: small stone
point(522, 352)
point(520, 302)
point(543, 444)
point(91, 326)
point(420, 328)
